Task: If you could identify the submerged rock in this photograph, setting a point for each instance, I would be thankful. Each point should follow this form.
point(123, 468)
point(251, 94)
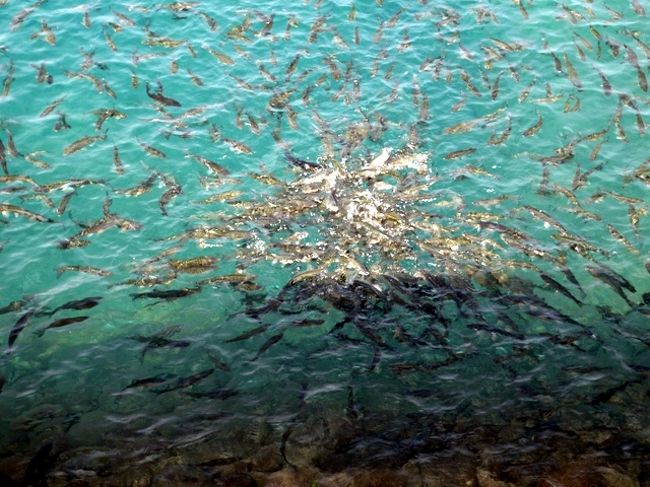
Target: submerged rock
point(486, 479)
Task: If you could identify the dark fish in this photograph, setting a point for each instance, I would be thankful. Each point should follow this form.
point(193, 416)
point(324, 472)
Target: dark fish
point(160, 342)
point(401, 368)
point(248, 334)
point(568, 273)
point(559, 287)
point(61, 323)
point(219, 363)
point(617, 282)
point(16, 305)
point(160, 98)
point(11, 146)
point(607, 87)
point(376, 357)
point(167, 294)
point(220, 394)
point(370, 333)
point(184, 382)
point(61, 124)
point(268, 344)
point(3, 381)
point(79, 304)
point(19, 326)
point(146, 382)
point(3, 159)
point(301, 163)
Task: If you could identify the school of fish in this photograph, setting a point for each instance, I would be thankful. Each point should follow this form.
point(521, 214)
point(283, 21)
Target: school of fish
point(371, 220)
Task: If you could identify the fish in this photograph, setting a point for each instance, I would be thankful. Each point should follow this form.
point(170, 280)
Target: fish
point(109, 41)
point(218, 362)
point(104, 114)
point(21, 16)
point(316, 28)
point(167, 294)
point(16, 305)
point(61, 323)
point(42, 76)
point(523, 96)
point(617, 282)
point(160, 341)
point(160, 97)
point(230, 278)
point(638, 8)
point(210, 21)
point(77, 304)
point(151, 150)
point(580, 179)
point(522, 8)
point(556, 286)
point(635, 215)
point(500, 139)
point(469, 84)
point(50, 37)
point(494, 92)
point(248, 334)
point(573, 74)
point(268, 344)
point(61, 123)
point(607, 87)
point(221, 56)
point(85, 269)
point(141, 188)
point(210, 165)
point(3, 159)
point(533, 129)
point(82, 143)
point(18, 211)
point(194, 264)
point(581, 53)
point(173, 190)
point(292, 65)
point(620, 238)
point(183, 382)
point(220, 394)
point(237, 146)
point(117, 162)
point(19, 326)
point(163, 42)
point(51, 107)
point(145, 382)
point(459, 153)
point(301, 163)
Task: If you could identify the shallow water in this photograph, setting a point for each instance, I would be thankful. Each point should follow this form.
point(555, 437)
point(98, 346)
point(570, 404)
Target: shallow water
point(423, 227)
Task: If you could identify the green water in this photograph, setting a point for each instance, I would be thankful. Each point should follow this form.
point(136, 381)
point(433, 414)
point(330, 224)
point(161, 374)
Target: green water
point(444, 321)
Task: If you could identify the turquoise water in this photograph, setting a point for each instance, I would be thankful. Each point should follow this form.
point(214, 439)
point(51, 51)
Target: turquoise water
point(430, 216)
